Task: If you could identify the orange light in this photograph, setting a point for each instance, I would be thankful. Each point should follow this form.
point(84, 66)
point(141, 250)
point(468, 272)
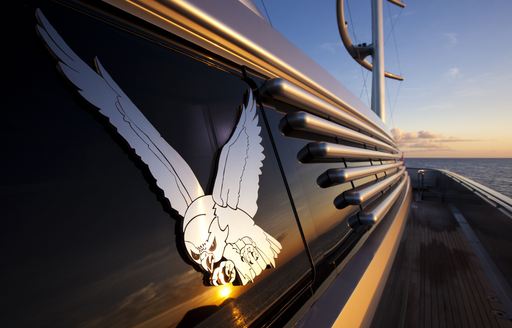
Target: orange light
point(225, 291)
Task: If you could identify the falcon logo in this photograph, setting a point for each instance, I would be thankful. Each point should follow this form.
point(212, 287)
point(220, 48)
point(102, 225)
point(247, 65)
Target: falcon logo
point(219, 231)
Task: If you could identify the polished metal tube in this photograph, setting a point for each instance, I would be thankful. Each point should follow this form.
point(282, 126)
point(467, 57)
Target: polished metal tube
point(379, 211)
point(324, 152)
point(301, 121)
point(285, 92)
point(359, 196)
point(333, 177)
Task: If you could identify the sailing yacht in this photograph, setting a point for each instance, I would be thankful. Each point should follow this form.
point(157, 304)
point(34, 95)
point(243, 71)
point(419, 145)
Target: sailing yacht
point(181, 163)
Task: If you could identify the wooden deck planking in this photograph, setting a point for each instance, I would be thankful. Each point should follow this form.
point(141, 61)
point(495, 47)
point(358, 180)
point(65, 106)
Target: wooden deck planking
point(436, 280)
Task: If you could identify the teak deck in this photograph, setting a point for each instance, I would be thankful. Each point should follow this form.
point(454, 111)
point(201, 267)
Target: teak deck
point(437, 279)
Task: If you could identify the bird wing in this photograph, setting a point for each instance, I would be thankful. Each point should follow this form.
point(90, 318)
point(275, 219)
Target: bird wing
point(237, 181)
point(171, 172)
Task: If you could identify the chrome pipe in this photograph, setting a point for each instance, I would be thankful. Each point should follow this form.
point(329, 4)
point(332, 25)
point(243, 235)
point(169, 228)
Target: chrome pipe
point(301, 121)
point(334, 177)
point(324, 152)
point(285, 92)
point(359, 196)
point(378, 212)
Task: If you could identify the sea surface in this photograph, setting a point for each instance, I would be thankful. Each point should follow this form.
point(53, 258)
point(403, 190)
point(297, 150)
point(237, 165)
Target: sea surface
point(495, 173)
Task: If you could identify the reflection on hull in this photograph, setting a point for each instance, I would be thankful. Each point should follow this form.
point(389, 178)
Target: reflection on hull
point(90, 241)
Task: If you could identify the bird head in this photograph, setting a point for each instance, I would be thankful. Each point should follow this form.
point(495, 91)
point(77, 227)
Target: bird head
point(205, 240)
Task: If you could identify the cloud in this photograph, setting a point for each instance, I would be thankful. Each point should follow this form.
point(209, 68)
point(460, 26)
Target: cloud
point(427, 145)
point(426, 135)
point(453, 73)
point(424, 140)
point(451, 39)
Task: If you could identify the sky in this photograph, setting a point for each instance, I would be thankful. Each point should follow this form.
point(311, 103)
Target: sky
point(455, 56)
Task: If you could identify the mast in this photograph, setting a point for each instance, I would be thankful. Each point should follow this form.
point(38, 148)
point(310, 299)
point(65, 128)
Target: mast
point(378, 83)
point(375, 49)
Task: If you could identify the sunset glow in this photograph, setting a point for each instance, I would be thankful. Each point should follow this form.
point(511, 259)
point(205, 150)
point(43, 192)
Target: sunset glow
point(225, 291)
point(455, 100)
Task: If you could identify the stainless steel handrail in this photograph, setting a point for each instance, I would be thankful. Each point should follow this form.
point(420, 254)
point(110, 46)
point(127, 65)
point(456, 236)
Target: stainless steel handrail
point(359, 196)
point(324, 152)
point(243, 38)
point(285, 92)
point(492, 195)
point(334, 177)
point(302, 121)
point(383, 207)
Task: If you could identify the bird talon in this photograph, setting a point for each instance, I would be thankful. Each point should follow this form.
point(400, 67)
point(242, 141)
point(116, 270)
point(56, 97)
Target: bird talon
point(224, 274)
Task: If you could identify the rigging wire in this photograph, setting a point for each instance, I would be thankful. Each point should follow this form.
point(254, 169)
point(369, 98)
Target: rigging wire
point(266, 12)
point(392, 33)
point(392, 105)
point(365, 76)
point(388, 99)
point(397, 95)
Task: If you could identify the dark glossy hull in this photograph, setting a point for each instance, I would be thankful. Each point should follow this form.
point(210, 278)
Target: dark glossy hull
point(89, 237)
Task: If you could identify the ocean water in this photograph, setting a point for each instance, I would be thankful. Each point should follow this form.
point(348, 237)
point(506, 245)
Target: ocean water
point(495, 173)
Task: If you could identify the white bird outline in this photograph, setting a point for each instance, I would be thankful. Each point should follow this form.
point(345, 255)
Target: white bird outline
point(233, 243)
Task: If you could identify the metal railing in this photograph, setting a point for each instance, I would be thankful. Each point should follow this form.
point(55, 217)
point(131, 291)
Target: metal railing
point(285, 93)
point(497, 199)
